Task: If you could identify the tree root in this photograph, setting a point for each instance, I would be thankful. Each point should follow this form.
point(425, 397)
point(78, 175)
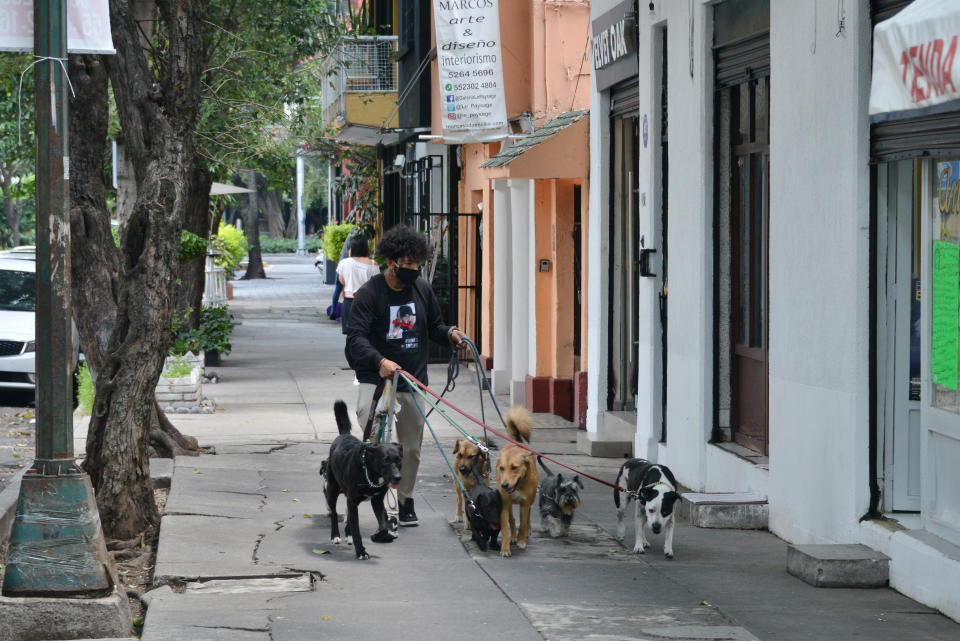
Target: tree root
point(166, 440)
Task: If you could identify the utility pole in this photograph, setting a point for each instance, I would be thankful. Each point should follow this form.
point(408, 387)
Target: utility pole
point(56, 544)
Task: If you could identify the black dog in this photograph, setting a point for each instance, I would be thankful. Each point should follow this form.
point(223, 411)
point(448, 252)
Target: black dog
point(483, 511)
point(559, 498)
point(360, 471)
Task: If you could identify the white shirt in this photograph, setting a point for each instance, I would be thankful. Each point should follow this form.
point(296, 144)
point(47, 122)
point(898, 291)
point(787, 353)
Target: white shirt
point(355, 274)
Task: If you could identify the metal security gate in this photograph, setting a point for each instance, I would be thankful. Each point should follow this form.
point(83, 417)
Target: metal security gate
point(455, 240)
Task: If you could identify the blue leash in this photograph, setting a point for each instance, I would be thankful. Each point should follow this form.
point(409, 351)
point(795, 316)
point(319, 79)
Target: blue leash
point(453, 473)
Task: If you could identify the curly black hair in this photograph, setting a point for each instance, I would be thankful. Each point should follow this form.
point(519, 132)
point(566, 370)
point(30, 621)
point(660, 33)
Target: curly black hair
point(403, 242)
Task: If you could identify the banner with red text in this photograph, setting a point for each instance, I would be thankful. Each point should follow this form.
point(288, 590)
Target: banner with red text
point(472, 102)
point(915, 66)
point(88, 26)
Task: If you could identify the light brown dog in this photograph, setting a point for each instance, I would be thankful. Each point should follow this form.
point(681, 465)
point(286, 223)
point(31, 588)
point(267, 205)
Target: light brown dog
point(517, 479)
point(466, 454)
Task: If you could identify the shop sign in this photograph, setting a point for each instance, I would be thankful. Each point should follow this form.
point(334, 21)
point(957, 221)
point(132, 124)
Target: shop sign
point(472, 98)
point(88, 26)
point(948, 187)
point(914, 56)
point(614, 45)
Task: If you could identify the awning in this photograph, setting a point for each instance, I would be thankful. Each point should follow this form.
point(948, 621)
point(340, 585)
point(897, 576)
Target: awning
point(559, 149)
point(913, 61)
point(221, 189)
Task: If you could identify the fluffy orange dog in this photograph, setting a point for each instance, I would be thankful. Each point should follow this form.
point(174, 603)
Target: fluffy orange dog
point(466, 454)
point(517, 479)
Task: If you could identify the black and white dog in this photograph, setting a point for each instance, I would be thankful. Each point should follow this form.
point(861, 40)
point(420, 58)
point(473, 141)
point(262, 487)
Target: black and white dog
point(656, 495)
point(360, 471)
point(483, 512)
point(559, 497)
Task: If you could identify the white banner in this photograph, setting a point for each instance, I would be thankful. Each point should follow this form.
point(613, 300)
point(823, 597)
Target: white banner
point(472, 100)
point(88, 26)
point(913, 61)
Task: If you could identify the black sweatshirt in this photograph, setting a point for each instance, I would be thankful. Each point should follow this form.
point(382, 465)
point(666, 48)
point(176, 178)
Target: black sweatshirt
point(395, 325)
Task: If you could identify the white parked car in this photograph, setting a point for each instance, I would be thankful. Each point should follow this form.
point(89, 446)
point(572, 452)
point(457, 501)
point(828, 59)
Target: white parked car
point(17, 323)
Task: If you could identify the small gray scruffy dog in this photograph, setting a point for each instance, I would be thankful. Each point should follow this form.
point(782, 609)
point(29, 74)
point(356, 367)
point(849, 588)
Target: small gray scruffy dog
point(559, 498)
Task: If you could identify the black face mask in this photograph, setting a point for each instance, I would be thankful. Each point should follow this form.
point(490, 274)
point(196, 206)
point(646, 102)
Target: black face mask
point(406, 275)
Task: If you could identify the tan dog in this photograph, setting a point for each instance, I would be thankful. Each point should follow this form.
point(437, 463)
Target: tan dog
point(466, 454)
point(517, 479)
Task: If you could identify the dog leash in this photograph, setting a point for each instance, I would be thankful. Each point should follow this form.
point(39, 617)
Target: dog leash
point(412, 379)
point(456, 477)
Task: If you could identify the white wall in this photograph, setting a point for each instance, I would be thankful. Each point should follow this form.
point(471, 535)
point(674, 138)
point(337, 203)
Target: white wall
point(819, 261)
point(598, 246)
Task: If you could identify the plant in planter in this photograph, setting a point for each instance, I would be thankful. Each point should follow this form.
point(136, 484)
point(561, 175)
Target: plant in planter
point(211, 338)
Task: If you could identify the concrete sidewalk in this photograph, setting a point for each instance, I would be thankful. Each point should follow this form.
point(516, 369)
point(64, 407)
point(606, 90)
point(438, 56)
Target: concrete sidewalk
point(245, 552)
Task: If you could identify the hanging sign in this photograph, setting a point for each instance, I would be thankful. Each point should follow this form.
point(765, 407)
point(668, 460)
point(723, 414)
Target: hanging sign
point(614, 45)
point(472, 100)
point(88, 26)
point(915, 66)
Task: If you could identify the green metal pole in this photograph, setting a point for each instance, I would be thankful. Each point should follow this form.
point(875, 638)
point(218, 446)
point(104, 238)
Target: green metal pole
point(56, 544)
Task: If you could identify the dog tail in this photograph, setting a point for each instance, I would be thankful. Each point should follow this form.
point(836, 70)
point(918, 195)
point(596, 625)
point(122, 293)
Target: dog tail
point(343, 417)
point(519, 422)
point(544, 466)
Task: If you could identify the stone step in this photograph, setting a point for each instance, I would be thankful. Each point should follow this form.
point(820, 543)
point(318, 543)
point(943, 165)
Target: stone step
point(734, 510)
point(838, 566)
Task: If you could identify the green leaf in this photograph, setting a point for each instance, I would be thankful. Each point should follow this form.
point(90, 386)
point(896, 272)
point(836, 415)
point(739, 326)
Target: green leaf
point(316, 551)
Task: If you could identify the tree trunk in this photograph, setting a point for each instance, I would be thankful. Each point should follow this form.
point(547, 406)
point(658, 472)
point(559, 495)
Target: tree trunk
point(251, 226)
point(123, 300)
point(126, 184)
point(11, 212)
point(273, 210)
point(192, 273)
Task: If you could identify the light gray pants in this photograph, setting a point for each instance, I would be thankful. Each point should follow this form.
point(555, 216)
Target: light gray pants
point(408, 426)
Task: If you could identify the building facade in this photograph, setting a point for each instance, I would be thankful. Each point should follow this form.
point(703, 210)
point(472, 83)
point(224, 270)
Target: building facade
point(759, 258)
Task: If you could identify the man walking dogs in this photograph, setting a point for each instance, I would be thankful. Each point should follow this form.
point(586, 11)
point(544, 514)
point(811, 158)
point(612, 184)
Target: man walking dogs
point(392, 317)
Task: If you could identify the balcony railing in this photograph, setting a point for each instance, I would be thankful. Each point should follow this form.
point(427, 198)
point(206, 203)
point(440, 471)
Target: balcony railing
point(361, 64)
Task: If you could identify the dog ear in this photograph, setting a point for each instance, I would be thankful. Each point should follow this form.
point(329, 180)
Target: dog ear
point(484, 463)
point(559, 479)
point(456, 447)
point(647, 494)
point(576, 479)
point(669, 499)
point(400, 450)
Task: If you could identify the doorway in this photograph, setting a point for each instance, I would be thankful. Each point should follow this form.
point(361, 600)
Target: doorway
point(899, 332)
point(624, 266)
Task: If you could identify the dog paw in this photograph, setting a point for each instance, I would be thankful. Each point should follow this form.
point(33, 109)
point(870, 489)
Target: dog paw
point(638, 549)
point(522, 545)
point(667, 554)
point(505, 553)
point(363, 556)
point(336, 540)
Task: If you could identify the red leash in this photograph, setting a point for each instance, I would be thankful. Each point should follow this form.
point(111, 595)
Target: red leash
point(410, 377)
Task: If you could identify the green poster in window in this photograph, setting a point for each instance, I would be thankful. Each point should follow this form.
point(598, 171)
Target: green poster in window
point(945, 302)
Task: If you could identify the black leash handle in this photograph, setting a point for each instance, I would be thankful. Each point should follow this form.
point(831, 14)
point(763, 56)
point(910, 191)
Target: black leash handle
point(377, 393)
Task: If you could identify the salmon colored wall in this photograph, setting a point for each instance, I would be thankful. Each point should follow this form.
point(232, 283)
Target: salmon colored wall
point(475, 189)
point(559, 34)
point(544, 201)
point(562, 270)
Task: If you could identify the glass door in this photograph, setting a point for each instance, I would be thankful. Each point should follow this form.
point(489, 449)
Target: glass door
point(624, 267)
point(940, 413)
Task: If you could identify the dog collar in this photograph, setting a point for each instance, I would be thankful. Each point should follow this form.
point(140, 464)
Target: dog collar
point(366, 472)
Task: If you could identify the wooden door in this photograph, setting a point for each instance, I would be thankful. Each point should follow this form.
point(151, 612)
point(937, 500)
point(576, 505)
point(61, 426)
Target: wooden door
point(749, 218)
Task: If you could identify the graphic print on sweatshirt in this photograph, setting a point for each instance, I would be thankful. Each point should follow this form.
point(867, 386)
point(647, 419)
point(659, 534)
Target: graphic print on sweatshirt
point(403, 322)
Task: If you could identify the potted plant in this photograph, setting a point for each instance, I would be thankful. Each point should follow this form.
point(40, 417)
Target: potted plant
point(211, 338)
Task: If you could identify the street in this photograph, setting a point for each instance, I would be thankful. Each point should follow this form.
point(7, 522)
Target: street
point(245, 551)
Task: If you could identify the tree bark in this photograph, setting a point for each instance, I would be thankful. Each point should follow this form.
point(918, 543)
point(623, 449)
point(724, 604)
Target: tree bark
point(123, 300)
point(273, 211)
point(251, 226)
point(192, 273)
point(11, 212)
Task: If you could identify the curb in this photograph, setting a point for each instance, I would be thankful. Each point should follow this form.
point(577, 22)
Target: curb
point(8, 506)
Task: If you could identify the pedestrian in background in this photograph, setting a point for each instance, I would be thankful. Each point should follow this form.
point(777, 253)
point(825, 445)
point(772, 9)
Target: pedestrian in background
point(353, 271)
point(392, 319)
point(338, 284)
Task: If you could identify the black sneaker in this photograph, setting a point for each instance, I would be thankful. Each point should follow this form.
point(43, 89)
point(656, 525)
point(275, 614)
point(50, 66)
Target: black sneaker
point(408, 518)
